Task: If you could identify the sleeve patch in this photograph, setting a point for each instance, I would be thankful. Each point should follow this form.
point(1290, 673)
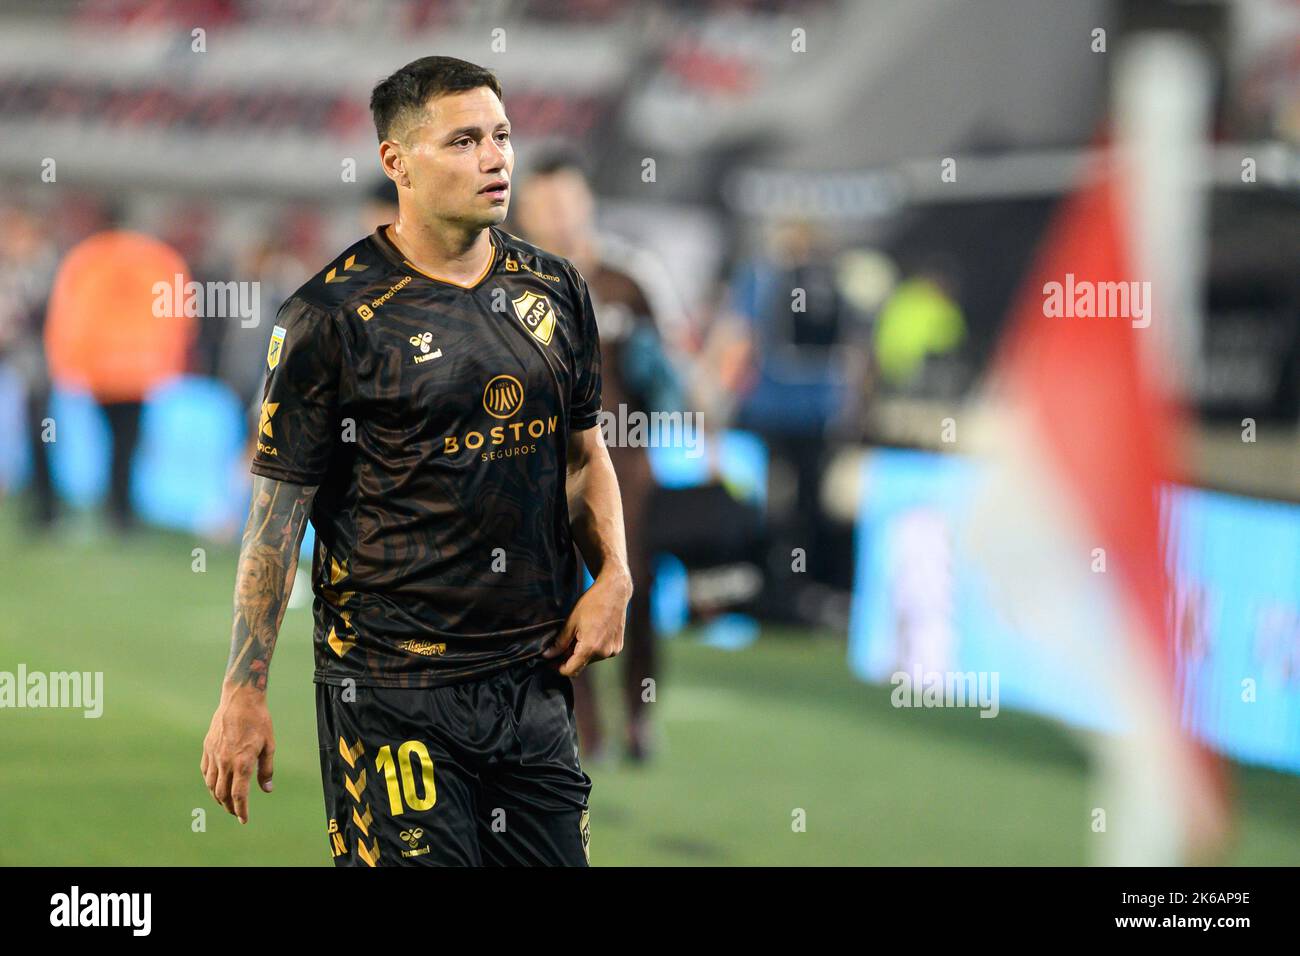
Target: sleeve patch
point(273, 350)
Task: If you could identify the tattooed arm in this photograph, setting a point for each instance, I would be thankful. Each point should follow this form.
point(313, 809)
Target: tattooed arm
point(268, 560)
point(240, 736)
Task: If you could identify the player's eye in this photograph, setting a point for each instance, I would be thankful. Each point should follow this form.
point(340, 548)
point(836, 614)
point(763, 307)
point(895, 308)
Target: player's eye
point(503, 136)
point(463, 142)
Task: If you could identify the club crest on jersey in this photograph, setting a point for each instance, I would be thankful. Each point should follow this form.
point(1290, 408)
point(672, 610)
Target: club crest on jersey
point(273, 350)
point(537, 315)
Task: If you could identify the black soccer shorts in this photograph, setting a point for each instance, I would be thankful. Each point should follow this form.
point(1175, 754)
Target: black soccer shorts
point(483, 772)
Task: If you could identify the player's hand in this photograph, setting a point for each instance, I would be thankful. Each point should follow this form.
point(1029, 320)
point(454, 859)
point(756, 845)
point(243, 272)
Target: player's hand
point(594, 630)
point(240, 740)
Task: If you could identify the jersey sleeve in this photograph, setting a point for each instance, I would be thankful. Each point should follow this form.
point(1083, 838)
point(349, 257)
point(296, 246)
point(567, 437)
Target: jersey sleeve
point(298, 425)
point(584, 399)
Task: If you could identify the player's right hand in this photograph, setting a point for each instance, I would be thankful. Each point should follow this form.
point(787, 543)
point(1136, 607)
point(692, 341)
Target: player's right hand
point(240, 740)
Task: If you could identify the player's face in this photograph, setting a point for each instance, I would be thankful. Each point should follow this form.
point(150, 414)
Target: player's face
point(460, 159)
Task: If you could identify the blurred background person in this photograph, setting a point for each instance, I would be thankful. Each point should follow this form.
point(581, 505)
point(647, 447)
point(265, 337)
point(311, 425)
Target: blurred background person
point(802, 396)
point(118, 328)
point(27, 261)
point(555, 210)
point(921, 318)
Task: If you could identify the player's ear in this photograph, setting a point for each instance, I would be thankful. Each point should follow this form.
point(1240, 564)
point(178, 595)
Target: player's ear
point(390, 157)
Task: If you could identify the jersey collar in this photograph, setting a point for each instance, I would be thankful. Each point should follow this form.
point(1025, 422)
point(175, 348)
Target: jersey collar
point(394, 255)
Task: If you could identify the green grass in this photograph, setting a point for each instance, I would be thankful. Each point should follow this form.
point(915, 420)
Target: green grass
point(747, 738)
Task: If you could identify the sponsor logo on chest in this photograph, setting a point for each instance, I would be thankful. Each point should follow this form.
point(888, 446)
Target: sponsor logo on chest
point(503, 399)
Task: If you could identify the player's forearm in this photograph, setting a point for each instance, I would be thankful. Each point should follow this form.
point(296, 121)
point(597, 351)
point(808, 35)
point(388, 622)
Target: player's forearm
point(268, 560)
point(596, 517)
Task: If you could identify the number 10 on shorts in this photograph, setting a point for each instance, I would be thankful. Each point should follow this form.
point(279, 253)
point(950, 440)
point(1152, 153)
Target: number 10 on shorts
point(406, 795)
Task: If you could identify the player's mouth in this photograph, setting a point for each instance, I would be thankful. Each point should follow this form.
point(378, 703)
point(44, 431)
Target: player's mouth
point(497, 189)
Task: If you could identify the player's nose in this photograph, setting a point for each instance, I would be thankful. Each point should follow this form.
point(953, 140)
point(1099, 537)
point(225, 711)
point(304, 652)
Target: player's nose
point(494, 157)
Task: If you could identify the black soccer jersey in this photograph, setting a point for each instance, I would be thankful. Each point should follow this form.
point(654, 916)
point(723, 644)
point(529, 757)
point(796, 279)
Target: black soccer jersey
point(434, 417)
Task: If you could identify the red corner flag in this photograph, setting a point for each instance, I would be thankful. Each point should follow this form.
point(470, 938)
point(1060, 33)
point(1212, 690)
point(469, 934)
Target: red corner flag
point(1086, 438)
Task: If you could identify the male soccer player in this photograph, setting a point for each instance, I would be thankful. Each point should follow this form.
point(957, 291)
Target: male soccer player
point(431, 404)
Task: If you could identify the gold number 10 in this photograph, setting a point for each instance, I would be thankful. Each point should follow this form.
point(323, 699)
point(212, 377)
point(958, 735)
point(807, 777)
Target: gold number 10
point(389, 768)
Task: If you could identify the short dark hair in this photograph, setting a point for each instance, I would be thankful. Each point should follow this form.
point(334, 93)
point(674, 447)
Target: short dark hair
point(409, 89)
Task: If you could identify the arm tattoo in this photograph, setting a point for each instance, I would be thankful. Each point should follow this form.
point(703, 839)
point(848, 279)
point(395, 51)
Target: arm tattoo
point(268, 560)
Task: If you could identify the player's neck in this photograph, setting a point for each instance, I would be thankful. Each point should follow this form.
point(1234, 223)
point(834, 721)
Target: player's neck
point(456, 254)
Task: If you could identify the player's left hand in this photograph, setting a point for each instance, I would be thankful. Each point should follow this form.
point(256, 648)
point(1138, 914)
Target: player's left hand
point(594, 630)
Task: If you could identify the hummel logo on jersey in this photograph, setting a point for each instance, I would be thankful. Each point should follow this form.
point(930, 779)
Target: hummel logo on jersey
point(412, 839)
point(427, 352)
